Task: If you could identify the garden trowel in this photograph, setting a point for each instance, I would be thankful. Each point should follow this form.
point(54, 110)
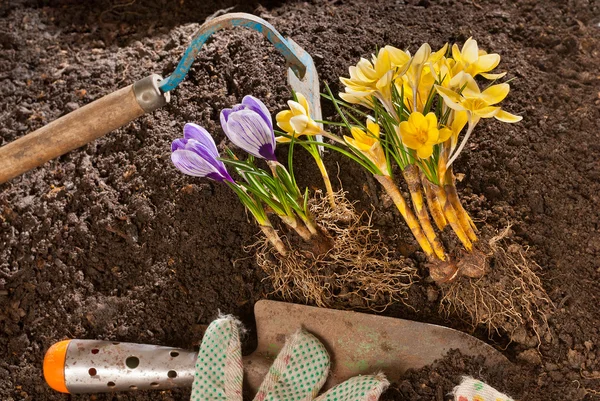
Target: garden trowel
point(146, 95)
point(357, 343)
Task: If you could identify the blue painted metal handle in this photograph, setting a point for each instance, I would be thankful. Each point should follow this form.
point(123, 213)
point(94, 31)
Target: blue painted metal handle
point(228, 21)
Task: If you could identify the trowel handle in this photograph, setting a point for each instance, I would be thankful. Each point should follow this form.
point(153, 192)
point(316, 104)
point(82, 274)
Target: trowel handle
point(92, 366)
point(81, 127)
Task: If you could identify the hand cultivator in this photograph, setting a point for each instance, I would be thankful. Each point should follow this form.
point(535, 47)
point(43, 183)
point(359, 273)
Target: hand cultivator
point(368, 344)
point(148, 94)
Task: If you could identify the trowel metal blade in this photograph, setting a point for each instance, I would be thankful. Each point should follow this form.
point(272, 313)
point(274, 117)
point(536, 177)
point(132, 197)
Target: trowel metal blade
point(359, 343)
point(308, 85)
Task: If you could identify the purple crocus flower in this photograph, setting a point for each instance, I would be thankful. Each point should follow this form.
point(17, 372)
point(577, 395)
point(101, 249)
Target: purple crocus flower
point(249, 126)
point(196, 154)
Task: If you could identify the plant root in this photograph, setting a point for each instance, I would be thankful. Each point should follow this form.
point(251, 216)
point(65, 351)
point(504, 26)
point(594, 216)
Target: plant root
point(358, 272)
point(508, 299)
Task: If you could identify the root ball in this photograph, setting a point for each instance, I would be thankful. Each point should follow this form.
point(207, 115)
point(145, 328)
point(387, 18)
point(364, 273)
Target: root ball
point(508, 299)
point(358, 271)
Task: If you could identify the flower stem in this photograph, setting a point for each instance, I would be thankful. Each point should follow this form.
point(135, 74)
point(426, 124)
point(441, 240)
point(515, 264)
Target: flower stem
point(434, 204)
point(325, 175)
point(463, 217)
point(452, 218)
point(472, 123)
point(311, 225)
point(392, 190)
point(333, 137)
point(274, 239)
point(298, 226)
point(411, 175)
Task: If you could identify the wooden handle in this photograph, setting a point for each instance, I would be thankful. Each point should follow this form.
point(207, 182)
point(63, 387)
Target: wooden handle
point(80, 127)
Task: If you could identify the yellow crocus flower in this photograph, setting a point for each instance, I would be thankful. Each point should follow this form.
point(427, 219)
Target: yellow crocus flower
point(421, 133)
point(421, 75)
point(297, 120)
point(374, 78)
point(476, 103)
point(474, 61)
point(421, 90)
point(369, 145)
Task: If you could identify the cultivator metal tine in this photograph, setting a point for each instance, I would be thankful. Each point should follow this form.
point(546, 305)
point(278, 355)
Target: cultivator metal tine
point(302, 74)
point(308, 85)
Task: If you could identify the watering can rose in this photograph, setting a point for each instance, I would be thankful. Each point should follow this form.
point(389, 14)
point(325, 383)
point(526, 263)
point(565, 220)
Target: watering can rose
point(196, 154)
point(248, 125)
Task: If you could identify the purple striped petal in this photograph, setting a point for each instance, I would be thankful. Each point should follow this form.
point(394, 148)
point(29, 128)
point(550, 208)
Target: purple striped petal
point(198, 133)
point(178, 144)
point(191, 164)
point(249, 131)
point(196, 154)
point(224, 117)
point(256, 105)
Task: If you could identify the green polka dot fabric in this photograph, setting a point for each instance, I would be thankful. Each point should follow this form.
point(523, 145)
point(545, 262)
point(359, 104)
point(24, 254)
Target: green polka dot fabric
point(299, 371)
point(359, 388)
point(219, 371)
point(475, 390)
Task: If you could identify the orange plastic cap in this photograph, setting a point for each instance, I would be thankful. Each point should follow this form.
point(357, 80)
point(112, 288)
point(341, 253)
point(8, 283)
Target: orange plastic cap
point(54, 366)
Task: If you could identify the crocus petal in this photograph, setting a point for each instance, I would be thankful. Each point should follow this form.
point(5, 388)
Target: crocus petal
point(487, 63)
point(299, 123)
point(198, 133)
point(224, 117)
point(256, 105)
point(437, 56)
point(425, 151)
point(355, 98)
point(303, 102)
point(459, 121)
point(362, 140)
point(398, 58)
point(507, 117)
point(296, 108)
point(356, 144)
point(411, 141)
point(422, 54)
point(451, 98)
point(495, 93)
point(486, 112)
point(383, 64)
point(456, 53)
point(445, 133)
point(431, 120)
point(492, 77)
point(192, 164)
point(471, 89)
point(283, 120)
point(247, 130)
point(377, 156)
point(282, 139)
point(417, 119)
point(373, 128)
point(470, 51)
point(202, 150)
point(177, 144)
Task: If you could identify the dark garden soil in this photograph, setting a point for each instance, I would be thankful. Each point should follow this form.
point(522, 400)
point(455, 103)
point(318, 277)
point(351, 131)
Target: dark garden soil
point(112, 242)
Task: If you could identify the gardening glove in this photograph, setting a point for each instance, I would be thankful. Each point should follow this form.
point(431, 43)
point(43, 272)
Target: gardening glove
point(298, 373)
point(475, 390)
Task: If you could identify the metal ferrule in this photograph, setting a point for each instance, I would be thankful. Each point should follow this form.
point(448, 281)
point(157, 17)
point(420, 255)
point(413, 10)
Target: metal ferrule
point(99, 366)
point(148, 94)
